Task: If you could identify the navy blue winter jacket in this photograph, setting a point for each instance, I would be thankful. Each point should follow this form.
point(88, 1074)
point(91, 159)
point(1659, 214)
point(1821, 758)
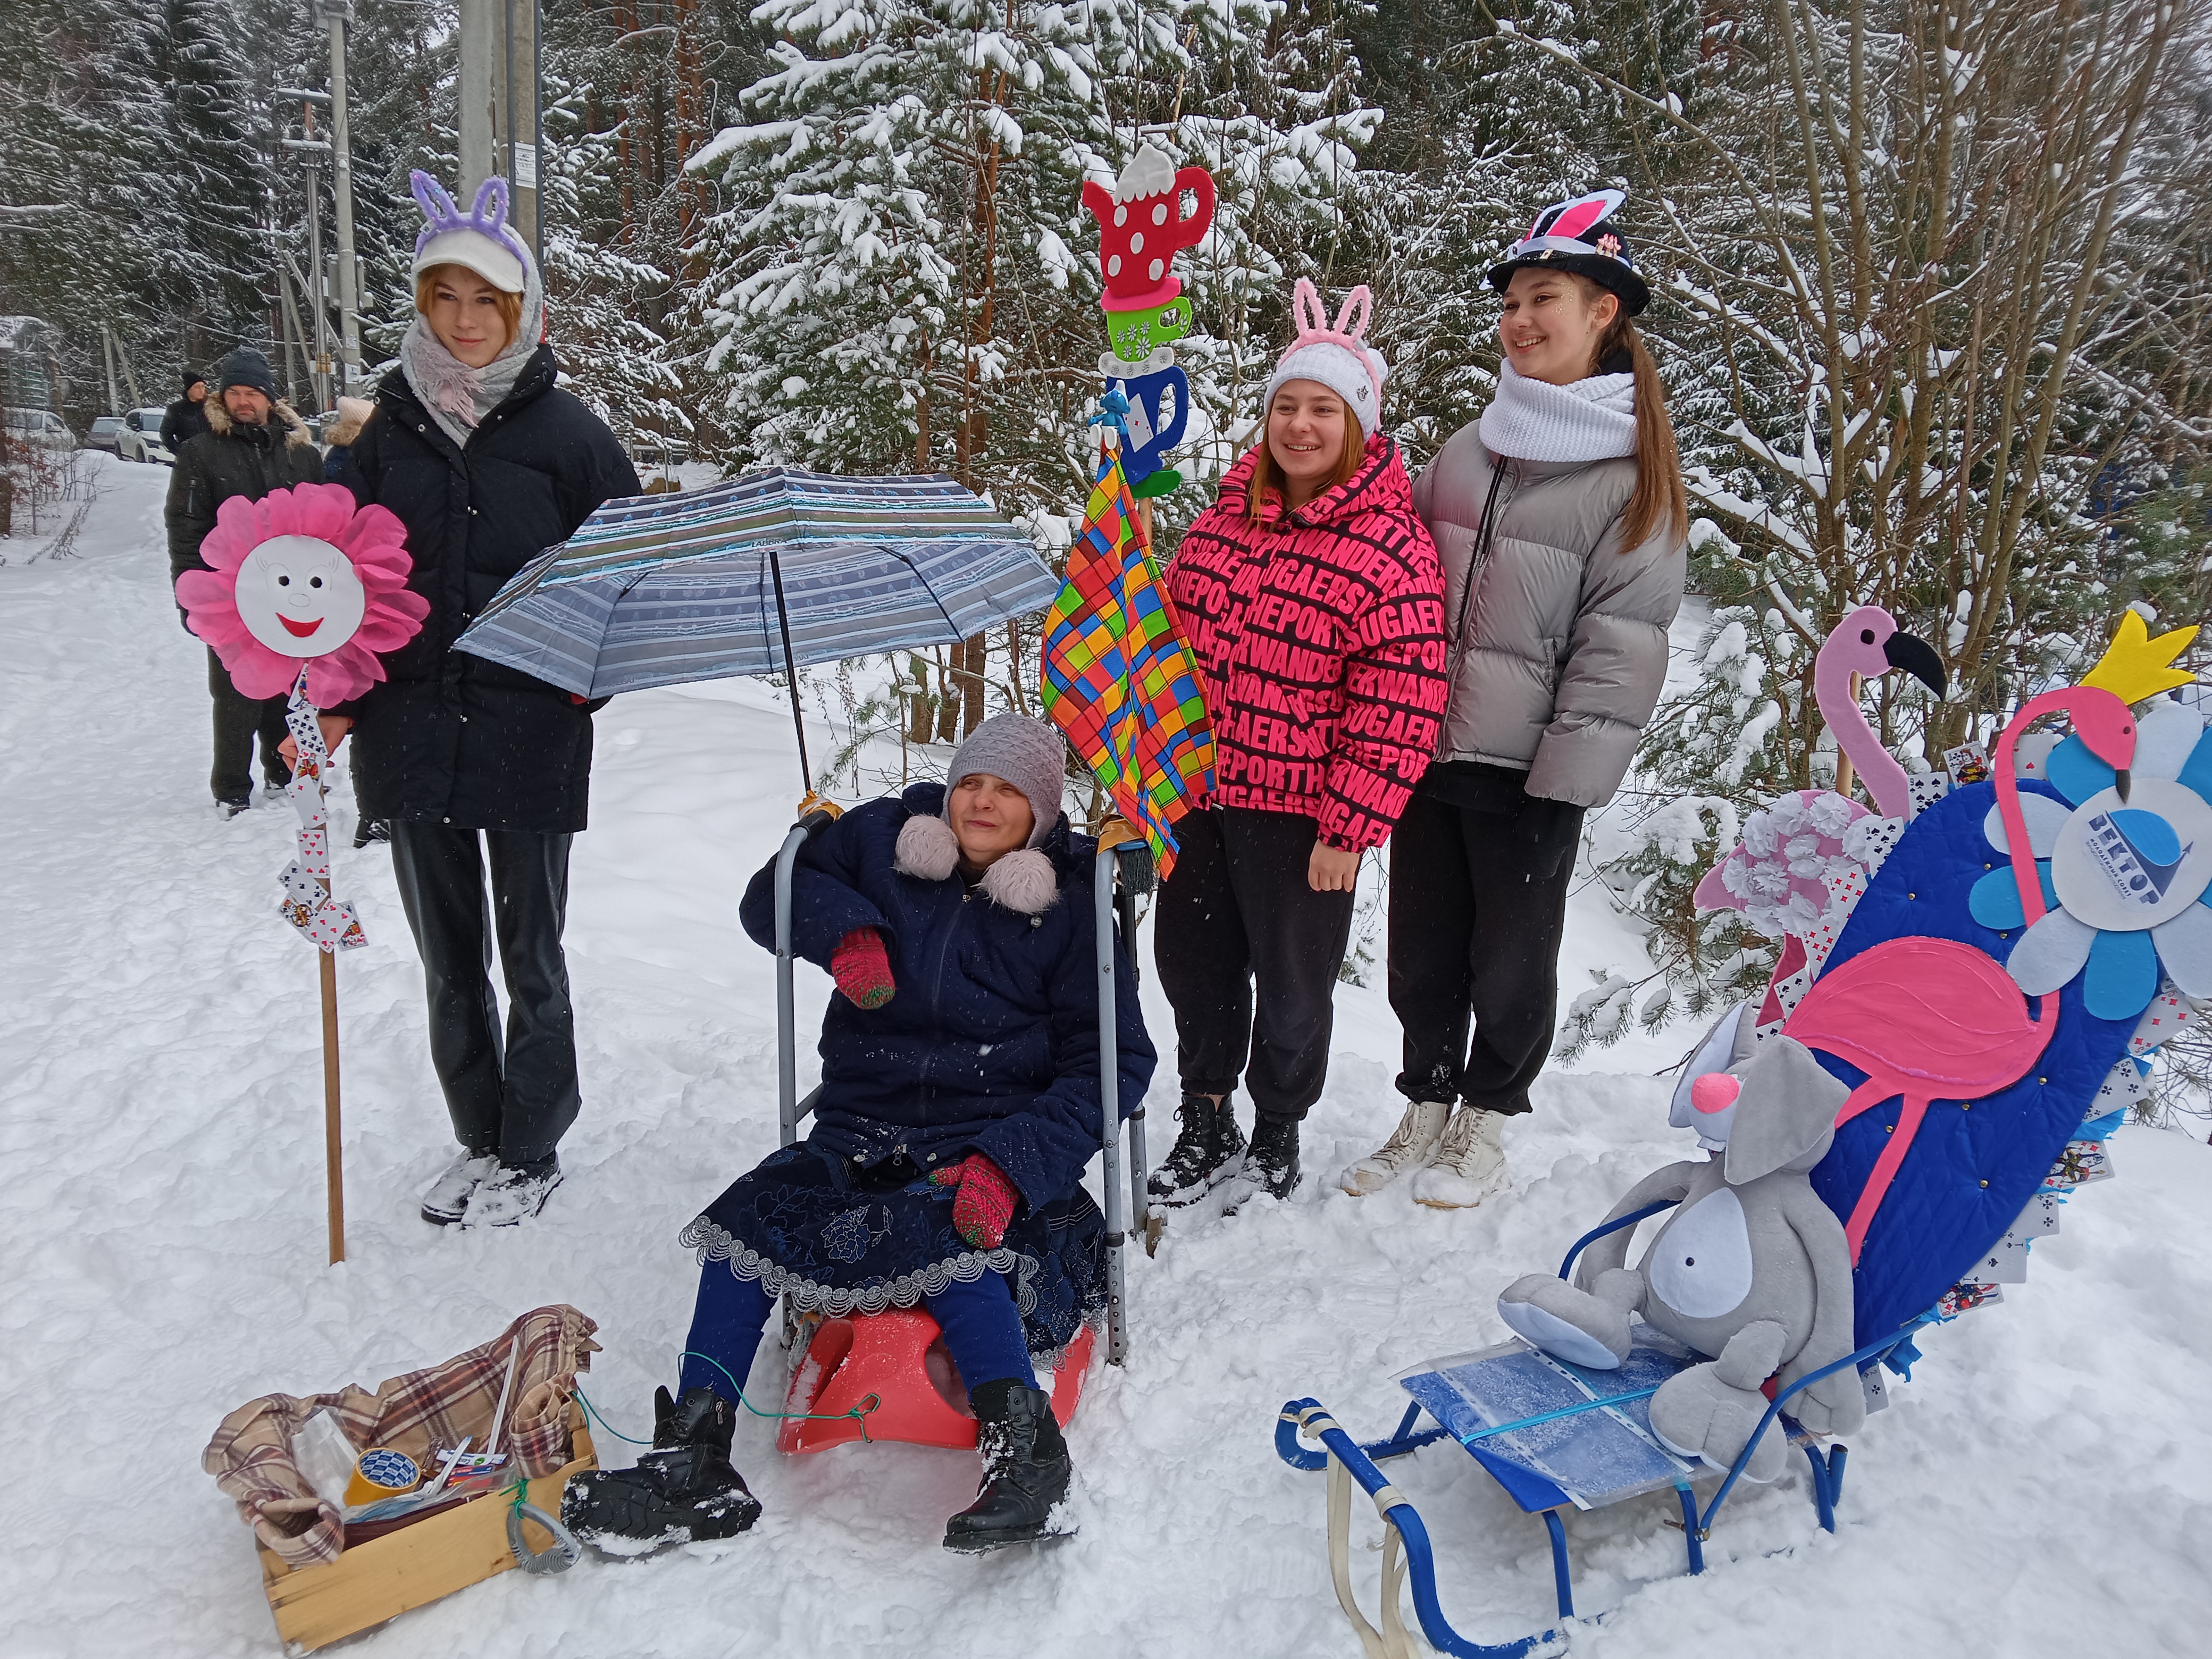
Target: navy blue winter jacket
point(990, 1042)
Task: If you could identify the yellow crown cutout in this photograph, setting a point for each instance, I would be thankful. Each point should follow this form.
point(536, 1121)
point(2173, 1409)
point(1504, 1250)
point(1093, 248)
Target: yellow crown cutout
point(2135, 666)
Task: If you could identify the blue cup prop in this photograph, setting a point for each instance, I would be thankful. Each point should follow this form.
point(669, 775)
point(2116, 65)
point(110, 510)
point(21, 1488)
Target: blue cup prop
point(1148, 442)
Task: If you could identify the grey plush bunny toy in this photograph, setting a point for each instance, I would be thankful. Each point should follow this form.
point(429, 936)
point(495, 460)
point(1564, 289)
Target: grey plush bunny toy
point(1752, 1268)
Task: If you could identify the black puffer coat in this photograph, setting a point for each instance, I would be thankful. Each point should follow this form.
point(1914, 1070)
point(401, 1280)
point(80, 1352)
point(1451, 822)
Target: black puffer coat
point(229, 457)
point(450, 738)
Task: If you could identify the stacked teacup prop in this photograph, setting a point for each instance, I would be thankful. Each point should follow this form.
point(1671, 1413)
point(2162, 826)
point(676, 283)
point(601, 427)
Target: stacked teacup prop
point(1141, 226)
point(302, 590)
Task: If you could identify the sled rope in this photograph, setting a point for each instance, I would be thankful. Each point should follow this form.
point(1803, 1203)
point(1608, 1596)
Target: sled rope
point(858, 1413)
point(1389, 1642)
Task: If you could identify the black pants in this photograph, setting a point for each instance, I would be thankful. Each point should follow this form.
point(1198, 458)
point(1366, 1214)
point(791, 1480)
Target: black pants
point(514, 1099)
point(1237, 910)
point(1475, 933)
point(238, 720)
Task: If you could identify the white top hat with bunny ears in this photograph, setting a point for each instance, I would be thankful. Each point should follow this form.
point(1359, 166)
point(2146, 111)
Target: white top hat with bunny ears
point(1338, 358)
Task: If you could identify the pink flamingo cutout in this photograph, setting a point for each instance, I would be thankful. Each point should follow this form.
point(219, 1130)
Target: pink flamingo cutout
point(1870, 643)
point(1953, 1010)
point(1866, 641)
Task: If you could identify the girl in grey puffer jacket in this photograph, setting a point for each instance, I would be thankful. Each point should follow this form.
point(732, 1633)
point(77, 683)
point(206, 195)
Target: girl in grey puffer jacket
point(1561, 524)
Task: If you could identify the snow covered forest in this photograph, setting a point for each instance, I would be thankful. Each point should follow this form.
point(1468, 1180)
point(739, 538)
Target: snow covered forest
point(1934, 284)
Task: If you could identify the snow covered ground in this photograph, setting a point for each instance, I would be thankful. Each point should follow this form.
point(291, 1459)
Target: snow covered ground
point(2044, 1485)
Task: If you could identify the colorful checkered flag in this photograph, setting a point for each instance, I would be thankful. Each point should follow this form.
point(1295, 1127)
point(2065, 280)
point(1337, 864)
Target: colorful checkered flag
point(1118, 678)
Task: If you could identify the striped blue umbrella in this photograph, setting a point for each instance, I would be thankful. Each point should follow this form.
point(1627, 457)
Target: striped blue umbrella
point(771, 571)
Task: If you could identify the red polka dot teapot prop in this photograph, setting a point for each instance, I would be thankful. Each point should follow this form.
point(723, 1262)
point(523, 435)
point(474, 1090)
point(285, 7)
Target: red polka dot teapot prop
point(1141, 227)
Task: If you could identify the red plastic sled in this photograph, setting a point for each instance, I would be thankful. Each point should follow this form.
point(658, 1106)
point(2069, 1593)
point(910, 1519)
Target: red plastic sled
point(899, 1356)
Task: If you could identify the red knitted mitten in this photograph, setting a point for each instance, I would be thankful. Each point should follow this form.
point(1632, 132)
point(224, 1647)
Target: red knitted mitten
point(862, 968)
point(985, 1203)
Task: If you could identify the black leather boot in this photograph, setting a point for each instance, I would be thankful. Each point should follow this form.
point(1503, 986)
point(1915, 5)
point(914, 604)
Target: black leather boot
point(1272, 1162)
point(682, 1491)
point(1206, 1151)
point(1025, 1472)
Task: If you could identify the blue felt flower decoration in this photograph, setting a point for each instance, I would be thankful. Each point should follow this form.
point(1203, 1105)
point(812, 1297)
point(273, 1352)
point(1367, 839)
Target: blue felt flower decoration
point(2127, 887)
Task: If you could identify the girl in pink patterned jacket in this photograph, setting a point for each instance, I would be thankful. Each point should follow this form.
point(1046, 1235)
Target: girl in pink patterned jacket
point(1311, 597)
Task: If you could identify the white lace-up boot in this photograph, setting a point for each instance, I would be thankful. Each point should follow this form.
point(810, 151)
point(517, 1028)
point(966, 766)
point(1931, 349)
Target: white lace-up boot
point(1470, 1162)
point(1413, 1146)
point(447, 1201)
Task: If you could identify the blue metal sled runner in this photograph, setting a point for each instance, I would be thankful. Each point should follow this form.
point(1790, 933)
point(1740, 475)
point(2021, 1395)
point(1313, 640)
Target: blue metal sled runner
point(1554, 1435)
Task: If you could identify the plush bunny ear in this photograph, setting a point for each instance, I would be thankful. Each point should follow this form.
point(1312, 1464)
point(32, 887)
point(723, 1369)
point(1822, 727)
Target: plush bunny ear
point(1786, 1113)
point(431, 196)
point(492, 191)
point(1358, 306)
point(1306, 310)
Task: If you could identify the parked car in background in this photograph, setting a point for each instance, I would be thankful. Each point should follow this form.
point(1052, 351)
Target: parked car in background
point(40, 427)
point(140, 439)
point(102, 436)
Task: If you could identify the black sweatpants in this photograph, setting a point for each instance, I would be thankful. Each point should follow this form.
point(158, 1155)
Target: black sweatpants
point(1238, 912)
point(238, 720)
point(515, 1099)
point(1474, 935)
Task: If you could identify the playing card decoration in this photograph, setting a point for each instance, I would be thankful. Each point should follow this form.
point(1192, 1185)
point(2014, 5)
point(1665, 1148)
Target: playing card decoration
point(1141, 226)
point(303, 589)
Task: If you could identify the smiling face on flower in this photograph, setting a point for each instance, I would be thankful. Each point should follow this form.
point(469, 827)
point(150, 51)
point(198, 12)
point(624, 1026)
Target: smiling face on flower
point(300, 596)
point(2129, 881)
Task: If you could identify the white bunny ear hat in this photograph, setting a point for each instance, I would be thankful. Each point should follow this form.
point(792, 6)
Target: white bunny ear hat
point(1338, 358)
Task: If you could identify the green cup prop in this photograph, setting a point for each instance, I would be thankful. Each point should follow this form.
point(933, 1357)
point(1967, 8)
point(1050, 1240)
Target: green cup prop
point(1135, 334)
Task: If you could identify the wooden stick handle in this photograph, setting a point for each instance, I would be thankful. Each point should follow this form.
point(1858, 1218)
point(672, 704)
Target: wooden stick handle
point(333, 1165)
point(333, 1170)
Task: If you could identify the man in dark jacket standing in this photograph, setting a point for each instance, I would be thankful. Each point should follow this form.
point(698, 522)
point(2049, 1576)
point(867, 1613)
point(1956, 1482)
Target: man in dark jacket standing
point(251, 444)
point(187, 416)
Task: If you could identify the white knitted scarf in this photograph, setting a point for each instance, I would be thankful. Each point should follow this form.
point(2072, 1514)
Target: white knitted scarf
point(1592, 420)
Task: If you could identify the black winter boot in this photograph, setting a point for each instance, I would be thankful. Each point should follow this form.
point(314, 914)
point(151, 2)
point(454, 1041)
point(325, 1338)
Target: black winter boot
point(1206, 1151)
point(1272, 1162)
point(681, 1492)
point(1025, 1472)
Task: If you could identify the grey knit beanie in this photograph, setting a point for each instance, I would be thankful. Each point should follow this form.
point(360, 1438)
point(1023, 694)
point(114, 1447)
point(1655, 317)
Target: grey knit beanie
point(1028, 754)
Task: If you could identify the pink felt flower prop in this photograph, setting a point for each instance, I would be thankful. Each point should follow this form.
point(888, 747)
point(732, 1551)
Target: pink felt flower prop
point(370, 538)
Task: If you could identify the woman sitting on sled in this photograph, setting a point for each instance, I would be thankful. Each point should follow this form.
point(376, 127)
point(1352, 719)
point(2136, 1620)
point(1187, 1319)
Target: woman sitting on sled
point(959, 1107)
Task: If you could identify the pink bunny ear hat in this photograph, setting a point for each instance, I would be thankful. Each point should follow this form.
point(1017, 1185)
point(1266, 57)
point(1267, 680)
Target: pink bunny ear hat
point(1338, 358)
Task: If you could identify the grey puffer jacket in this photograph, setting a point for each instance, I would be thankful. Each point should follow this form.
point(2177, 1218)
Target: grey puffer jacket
point(1558, 654)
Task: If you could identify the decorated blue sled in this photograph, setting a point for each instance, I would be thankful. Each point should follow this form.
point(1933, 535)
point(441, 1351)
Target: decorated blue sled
point(1974, 978)
point(1555, 1436)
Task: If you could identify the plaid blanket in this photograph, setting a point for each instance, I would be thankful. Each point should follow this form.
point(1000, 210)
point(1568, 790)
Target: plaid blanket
point(251, 1456)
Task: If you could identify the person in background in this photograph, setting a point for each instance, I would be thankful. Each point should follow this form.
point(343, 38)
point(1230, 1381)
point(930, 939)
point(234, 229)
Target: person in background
point(943, 1167)
point(476, 767)
point(187, 416)
point(1311, 599)
point(251, 443)
point(1564, 526)
point(353, 415)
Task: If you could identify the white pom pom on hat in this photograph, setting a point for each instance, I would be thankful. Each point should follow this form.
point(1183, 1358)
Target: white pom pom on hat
point(928, 849)
point(1024, 881)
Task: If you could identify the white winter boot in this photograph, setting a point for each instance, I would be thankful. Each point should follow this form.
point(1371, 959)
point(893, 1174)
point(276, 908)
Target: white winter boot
point(1412, 1146)
point(1470, 1162)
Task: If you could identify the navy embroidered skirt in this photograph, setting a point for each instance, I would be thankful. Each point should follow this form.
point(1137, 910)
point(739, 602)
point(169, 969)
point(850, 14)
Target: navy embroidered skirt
point(803, 1227)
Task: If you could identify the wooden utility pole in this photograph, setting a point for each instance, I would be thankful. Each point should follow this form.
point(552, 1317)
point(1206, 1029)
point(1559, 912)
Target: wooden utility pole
point(501, 127)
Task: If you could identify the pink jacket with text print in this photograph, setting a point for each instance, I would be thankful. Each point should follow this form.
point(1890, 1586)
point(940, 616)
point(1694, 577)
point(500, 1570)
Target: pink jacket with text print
point(1319, 641)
